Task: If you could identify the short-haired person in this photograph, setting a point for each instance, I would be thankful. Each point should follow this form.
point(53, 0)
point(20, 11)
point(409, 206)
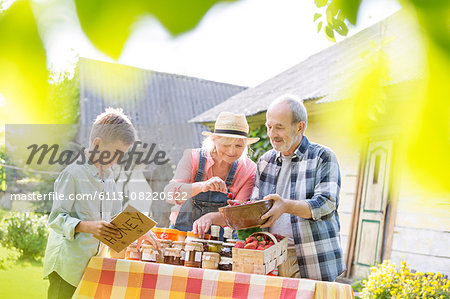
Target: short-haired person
point(303, 179)
point(75, 223)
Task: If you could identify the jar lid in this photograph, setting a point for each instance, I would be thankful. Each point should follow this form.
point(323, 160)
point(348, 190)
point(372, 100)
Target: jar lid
point(179, 243)
point(172, 252)
point(215, 230)
point(215, 242)
point(226, 260)
point(194, 246)
point(228, 244)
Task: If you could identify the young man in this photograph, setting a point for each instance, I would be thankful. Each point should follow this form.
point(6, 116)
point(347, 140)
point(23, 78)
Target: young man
point(80, 215)
point(303, 180)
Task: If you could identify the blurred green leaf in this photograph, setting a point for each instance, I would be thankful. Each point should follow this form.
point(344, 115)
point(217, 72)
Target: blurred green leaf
point(316, 16)
point(108, 23)
point(319, 26)
point(329, 33)
point(349, 9)
point(321, 3)
point(23, 72)
point(332, 11)
point(340, 27)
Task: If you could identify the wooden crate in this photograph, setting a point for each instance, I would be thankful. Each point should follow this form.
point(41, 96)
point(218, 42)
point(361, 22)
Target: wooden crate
point(260, 261)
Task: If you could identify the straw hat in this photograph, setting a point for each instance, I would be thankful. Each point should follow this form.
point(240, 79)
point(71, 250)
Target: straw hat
point(231, 125)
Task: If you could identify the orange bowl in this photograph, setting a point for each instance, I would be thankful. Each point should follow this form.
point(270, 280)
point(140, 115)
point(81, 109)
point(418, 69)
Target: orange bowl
point(169, 234)
point(246, 215)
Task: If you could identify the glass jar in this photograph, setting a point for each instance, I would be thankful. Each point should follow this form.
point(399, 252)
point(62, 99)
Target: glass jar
point(226, 264)
point(214, 246)
point(210, 260)
point(193, 256)
point(227, 233)
point(190, 237)
point(164, 244)
point(172, 256)
point(203, 242)
point(215, 232)
point(149, 253)
point(180, 245)
point(227, 250)
point(133, 252)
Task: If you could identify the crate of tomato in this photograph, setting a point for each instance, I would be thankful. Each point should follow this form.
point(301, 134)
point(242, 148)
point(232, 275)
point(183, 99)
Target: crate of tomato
point(261, 253)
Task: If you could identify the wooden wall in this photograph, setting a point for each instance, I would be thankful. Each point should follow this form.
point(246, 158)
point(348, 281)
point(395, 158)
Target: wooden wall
point(348, 158)
point(422, 229)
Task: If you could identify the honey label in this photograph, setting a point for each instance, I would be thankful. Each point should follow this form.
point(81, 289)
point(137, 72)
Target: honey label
point(198, 256)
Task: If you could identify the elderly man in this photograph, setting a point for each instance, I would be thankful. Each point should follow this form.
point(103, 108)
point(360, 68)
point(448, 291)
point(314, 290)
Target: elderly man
point(303, 180)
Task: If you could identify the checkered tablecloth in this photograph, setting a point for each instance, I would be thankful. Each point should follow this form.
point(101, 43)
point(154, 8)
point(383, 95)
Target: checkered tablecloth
point(111, 278)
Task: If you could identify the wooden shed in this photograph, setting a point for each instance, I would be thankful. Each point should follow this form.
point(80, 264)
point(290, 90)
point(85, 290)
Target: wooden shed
point(381, 216)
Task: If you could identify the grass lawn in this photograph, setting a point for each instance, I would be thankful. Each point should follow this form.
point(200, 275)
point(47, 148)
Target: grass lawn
point(23, 280)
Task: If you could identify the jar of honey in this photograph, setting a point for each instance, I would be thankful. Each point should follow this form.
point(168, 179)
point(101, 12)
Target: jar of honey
point(227, 250)
point(194, 251)
point(164, 245)
point(149, 253)
point(172, 256)
point(132, 252)
point(214, 246)
point(227, 233)
point(226, 264)
point(215, 232)
point(190, 236)
point(180, 245)
point(210, 260)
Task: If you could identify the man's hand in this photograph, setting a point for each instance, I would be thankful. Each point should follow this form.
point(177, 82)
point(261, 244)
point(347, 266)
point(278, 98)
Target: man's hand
point(214, 184)
point(202, 225)
point(151, 238)
point(279, 207)
point(98, 228)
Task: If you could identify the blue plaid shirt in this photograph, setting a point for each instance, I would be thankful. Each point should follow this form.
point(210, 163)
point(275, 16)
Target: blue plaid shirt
point(315, 178)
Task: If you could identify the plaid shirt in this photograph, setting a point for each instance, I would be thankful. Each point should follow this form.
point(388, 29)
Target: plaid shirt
point(315, 178)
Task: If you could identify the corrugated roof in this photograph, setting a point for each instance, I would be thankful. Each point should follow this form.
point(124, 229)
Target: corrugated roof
point(329, 73)
point(159, 104)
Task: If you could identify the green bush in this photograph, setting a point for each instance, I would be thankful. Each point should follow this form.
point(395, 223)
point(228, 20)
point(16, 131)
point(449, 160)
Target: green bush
point(262, 146)
point(27, 232)
point(8, 257)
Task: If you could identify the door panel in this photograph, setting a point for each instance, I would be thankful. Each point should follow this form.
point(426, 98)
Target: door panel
point(374, 198)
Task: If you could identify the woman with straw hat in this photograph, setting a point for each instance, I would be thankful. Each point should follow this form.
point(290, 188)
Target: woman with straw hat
point(206, 178)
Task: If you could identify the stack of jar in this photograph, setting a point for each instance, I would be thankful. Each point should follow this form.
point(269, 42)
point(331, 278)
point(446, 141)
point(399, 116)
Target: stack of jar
point(193, 252)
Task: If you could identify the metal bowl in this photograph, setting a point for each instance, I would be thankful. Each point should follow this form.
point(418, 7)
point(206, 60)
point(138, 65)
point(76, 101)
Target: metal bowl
point(246, 215)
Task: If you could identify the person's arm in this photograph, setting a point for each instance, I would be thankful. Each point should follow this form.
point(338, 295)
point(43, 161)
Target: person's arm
point(202, 225)
point(60, 219)
point(328, 185)
point(323, 202)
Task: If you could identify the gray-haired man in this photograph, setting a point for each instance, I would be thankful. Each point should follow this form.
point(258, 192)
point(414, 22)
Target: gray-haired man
point(304, 181)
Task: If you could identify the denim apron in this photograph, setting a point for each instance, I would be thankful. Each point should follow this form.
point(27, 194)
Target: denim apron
point(204, 202)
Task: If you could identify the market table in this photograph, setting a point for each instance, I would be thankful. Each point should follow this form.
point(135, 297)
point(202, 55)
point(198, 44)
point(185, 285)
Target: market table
point(112, 278)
